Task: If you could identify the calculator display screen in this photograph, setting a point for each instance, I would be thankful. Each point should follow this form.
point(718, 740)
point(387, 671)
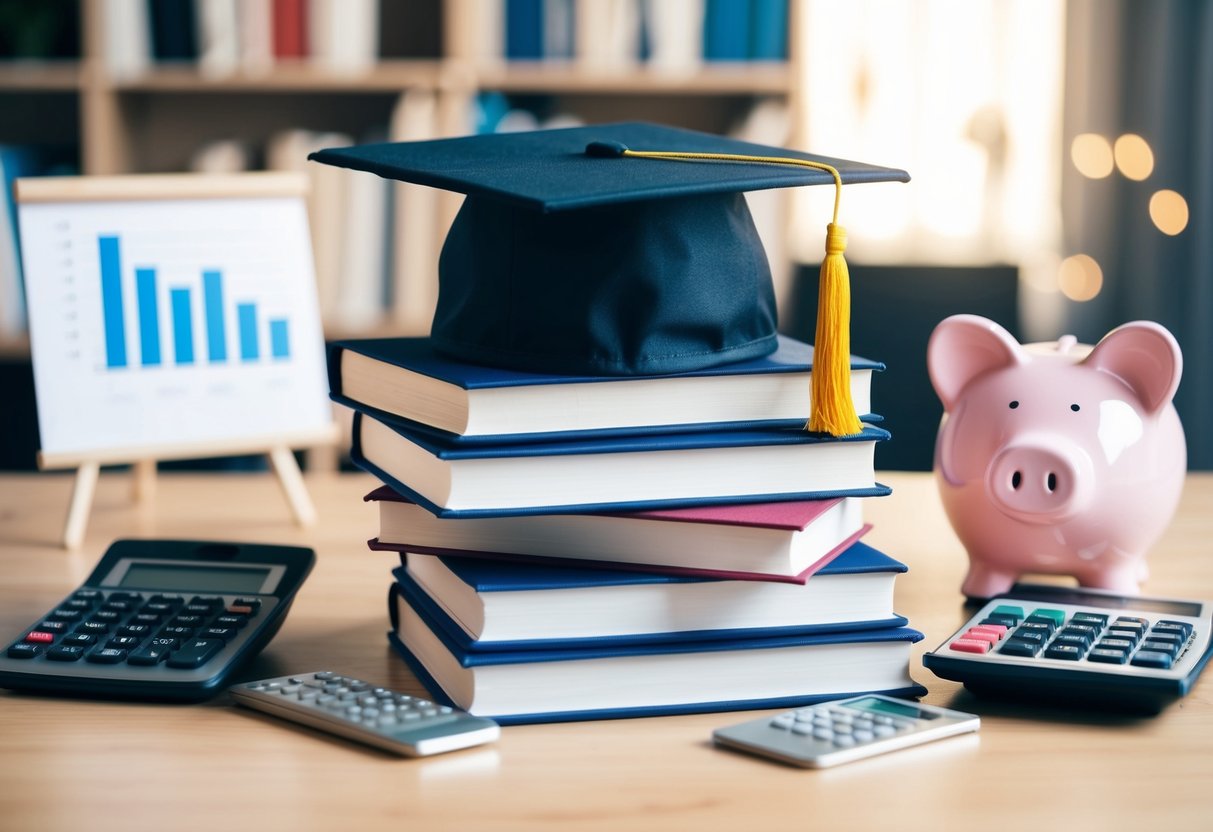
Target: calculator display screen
point(163, 576)
point(883, 706)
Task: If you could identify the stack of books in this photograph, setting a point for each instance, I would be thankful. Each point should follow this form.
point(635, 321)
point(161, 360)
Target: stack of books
point(593, 547)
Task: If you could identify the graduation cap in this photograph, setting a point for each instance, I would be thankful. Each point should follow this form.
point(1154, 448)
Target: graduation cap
point(620, 249)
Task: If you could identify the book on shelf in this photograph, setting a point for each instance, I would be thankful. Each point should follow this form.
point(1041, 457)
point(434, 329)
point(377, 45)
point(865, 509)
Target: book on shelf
point(622, 473)
point(495, 605)
point(785, 541)
point(560, 683)
point(407, 378)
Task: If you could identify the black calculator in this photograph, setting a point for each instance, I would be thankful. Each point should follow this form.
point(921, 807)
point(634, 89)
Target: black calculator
point(159, 619)
point(1084, 646)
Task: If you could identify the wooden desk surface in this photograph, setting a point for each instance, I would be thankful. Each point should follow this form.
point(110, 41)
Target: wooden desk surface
point(83, 765)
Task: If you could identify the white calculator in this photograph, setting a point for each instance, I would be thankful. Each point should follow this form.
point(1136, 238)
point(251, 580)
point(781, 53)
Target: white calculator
point(843, 730)
point(1082, 646)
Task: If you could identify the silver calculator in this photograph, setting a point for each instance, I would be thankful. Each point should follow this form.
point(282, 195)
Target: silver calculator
point(843, 730)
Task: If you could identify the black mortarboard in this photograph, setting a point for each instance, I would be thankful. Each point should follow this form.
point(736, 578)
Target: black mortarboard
point(567, 258)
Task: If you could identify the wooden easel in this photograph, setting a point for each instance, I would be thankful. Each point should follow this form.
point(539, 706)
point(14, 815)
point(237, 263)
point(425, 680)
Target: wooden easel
point(143, 474)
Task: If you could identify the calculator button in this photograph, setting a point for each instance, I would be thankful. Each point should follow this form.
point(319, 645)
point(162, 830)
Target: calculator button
point(107, 655)
point(24, 650)
point(1152, 658)
point(1164, 638)
point(195, 653)
point(124, 642)
point(1117, 643)
point(157, 608)
point(53, 626)
point(86, 595)
point(209, 601)
point(197, 609)
point(864, 736)
point(323, 675)
point(1058, 617)
point(39, 637)
point(224, 633)
point(165, 599)
point(1168, 647)
point(1081, 641)
point(1008, 611)
point(251, 603)
point(980, 635)
point(236, 621)
point(186, 621)
point(106, 616)
point(164, 643)
point(884, 731)
point(151, 654)
point(1067, 652)
point(65, 653)
point(968, 645)
point(1020, 647)
point(1000, 620)
point(1108, 656)
point(177, 632)
point(134, 630)
point(844, 741)
point(78, 638)
point(117, 606)
point(999, 630)
point(1043, 629)
point(1088, 630)
point(66, 615)
point(148, 618)
point(1048, 624)
point(1093, 618)
point(1128, 619)
point(129, 597)
point(1181, 627)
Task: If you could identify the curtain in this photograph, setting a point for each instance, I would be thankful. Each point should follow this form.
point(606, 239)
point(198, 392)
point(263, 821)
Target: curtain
point(1145, 69)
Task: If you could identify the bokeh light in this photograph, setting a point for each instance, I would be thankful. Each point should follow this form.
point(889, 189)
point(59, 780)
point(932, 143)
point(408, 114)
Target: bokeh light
point(1134, 158)
point(1080, 278)
point(1092, 155)
point(1169, 211)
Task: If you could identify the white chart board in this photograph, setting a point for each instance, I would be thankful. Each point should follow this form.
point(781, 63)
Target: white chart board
point(172, 316)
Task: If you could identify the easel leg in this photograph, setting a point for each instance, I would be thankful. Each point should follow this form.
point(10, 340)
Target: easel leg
point(293, 488)
point(143, 484)
point(82, 503)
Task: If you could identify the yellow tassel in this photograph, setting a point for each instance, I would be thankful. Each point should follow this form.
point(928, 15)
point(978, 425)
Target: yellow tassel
point(833, 411)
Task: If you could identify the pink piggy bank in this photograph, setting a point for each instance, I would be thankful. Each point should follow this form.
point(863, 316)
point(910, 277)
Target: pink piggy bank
point(1057, 458)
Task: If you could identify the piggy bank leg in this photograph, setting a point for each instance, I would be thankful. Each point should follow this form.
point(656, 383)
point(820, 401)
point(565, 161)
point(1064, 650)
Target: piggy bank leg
point(984, 582)
point(1123, 579)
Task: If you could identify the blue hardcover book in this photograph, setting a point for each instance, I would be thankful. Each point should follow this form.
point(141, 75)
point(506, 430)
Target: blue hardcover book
point(562, 683)
point(726, 30)
point(619, 474)
point(490, 605)
point(768, 30)
point(404, 380)
point(524, 30)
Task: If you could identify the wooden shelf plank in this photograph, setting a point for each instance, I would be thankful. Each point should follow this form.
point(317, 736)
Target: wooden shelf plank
point(709, 79)
point(39, 76)
point(386, 76)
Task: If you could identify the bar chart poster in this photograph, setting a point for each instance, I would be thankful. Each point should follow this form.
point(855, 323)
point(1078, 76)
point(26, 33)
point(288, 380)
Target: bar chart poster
point(172, 322)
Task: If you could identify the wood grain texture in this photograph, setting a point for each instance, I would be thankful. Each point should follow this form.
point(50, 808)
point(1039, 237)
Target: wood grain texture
point(71, 764)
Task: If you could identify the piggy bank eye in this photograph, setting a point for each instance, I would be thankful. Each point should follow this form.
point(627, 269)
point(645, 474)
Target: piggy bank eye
point(1075, 408)
point(1014, 404)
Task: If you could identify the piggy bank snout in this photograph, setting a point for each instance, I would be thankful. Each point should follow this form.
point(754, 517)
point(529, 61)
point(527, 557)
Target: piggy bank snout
point(1040, 479)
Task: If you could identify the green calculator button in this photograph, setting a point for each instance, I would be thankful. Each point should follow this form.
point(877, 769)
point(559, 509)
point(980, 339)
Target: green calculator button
point(1009, 611)
point(1058, 616)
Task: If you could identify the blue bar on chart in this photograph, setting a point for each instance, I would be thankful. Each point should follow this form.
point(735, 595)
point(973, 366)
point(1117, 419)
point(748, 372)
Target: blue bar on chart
point(111, 301)
point(183, 326)
point(216, 335)
point(149, 317)
point(246, 317)
point(280, 345)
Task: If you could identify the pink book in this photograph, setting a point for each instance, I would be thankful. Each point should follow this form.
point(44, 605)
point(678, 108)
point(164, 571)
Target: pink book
point(781, 541)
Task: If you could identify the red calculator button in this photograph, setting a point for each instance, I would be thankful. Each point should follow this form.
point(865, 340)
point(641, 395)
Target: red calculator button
point(968, 645)
point(996, 629)
point(40, 637)
point(239, 609)
point(977, 635)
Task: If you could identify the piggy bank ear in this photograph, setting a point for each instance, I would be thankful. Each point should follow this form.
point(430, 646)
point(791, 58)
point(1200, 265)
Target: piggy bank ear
point(1144, 356)
point(963, 347)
